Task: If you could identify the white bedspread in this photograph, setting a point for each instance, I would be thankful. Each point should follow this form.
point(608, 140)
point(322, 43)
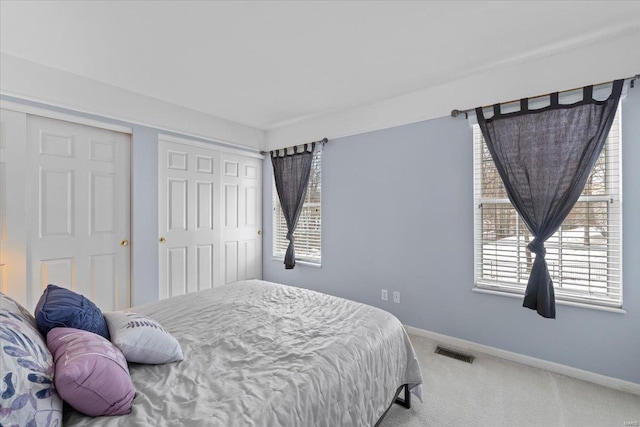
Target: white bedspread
point(262, 354)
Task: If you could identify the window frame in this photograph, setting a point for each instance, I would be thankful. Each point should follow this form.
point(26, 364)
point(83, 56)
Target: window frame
point(613, 197)
point(302, 257)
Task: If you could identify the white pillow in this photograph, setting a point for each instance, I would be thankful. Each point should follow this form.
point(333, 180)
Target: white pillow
point(142, 340)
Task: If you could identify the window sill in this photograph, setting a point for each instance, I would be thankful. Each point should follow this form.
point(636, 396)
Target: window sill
point(307, 263)
point(559, 302)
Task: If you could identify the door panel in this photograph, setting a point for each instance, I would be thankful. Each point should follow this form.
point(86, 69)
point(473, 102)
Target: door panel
point(57, 206)
point(250, 259)
point(251, 206)
point(102, 196)
point(231, 262)
point(78, 211)
point(177, 271)
point(178, 205)
point(243, 212)
point(231, 206)
point(204, 267)
point(188, 194)
point(204, 202)
point(57, 271)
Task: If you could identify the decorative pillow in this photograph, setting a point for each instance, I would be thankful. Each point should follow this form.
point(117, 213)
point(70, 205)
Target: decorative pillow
point(91, 373)
point(27, 394)
point(61, 307)
point(142, 340)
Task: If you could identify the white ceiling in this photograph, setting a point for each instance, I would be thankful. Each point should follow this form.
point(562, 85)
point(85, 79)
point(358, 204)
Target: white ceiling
point(274, 64)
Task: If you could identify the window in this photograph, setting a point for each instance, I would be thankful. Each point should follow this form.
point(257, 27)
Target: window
point(583, 256)
point(307, 240)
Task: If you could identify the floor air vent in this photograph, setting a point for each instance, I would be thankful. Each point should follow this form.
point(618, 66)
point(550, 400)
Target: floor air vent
point(454, 354)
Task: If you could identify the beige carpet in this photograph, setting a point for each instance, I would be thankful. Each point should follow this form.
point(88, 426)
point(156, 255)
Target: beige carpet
point(493, 392)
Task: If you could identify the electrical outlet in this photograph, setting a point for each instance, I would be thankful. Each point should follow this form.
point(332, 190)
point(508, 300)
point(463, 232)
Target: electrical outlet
point(396, 297)
point(385, 295)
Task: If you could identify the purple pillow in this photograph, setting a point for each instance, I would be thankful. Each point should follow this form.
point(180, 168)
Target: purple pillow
point(91, 373)
point(61, 307)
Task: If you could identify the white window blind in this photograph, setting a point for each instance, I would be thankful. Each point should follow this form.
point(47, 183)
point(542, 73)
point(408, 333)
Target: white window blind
point(307, 237)
point(584, 255)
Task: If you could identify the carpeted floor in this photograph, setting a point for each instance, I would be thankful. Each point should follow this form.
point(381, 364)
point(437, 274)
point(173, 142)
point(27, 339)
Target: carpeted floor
point(493, 392)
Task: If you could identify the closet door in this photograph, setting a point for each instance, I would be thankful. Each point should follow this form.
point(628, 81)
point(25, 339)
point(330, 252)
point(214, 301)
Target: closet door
point(209, 215)
point(189, 200)
point(242, 227)
point(78, 211)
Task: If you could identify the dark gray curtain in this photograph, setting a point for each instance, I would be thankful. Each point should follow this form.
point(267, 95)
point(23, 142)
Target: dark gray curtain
point(544, 158)
point(291, 173)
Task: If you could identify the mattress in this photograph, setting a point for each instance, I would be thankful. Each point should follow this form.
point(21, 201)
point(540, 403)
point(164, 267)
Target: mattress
point(263, 354)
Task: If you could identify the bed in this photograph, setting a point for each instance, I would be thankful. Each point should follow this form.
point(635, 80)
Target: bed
point(263, 354)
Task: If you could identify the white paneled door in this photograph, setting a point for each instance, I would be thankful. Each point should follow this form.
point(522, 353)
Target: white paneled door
point(242, 217)
point(209, 217)
point(78, 211)
point(188, 195)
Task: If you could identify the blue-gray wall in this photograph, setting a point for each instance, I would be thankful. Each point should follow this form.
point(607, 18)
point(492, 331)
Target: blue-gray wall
point(397, 208)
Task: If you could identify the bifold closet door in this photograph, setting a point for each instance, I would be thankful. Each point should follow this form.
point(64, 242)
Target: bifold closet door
point(189, 199)
point(242, 217)
point(209, 216)
point(78, 211)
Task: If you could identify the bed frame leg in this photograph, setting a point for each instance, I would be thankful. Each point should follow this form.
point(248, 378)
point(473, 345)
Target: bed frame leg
point(406, 402)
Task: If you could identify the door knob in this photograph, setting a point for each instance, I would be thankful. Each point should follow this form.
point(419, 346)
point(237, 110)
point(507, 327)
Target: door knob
point(259, 232)
point(124, 243)
point(162, 240)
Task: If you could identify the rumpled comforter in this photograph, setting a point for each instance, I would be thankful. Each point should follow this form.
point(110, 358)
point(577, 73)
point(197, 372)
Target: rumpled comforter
point(263, 354)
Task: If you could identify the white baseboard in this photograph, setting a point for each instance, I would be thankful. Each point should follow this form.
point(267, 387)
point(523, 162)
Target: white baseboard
point(463, 345)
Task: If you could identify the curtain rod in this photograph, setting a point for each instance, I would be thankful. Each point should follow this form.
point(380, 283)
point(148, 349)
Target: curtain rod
point(322, 141)
point(456, 113)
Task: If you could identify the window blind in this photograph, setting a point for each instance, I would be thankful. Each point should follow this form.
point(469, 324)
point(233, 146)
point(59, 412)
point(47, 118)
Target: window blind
point(307, 237)
point(583, 256)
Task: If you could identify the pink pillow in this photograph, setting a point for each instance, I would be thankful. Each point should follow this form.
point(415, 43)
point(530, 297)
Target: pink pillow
point(91, 373)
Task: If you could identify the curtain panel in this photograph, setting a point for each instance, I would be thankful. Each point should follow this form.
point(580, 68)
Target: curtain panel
point(544, 158)
point(291, 172)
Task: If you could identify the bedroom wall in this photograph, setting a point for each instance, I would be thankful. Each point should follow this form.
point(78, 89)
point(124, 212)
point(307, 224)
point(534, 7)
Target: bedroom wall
point(398, 214)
